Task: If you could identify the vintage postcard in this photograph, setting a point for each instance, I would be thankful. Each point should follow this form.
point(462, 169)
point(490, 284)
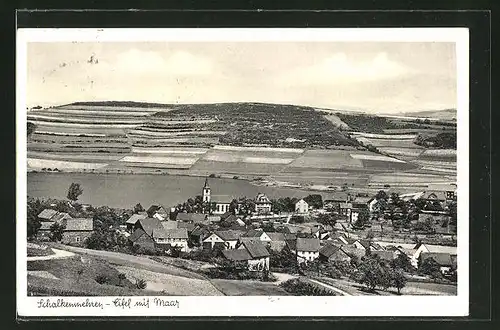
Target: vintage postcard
point(242, 172)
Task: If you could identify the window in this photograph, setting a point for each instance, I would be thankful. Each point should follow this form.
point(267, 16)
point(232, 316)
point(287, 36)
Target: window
point(77, 239)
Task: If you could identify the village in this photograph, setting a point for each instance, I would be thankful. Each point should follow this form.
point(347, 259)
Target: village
point(412, 237)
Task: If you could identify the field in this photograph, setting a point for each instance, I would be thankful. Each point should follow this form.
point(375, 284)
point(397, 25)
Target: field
point(292, 144)
point(248, 288)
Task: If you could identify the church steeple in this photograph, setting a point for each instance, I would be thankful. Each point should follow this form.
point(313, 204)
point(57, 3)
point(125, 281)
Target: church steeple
point(206, 192)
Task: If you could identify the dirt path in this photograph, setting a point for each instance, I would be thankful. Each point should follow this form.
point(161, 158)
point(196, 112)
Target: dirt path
point(342, 292)
point(58, 254)
point(283, 277)
point(123, 259)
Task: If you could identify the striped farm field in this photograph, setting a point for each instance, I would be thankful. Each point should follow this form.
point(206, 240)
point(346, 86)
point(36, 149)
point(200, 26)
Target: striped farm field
point(394, 143)
point(36, 163)
point(113, 108)
point(160, 160)
point(91, 119)
point(208, 167)
point(415, 131)
point(94, 112)
point(408, 152)
point(79, 157)
point(384, 136)
point(158, 166)
point(375, 157)
point(94, 125)
point(439, 154)
point(257, 149)
point(72, 130)
point(169, 150)
point(326, 159)
point(146, 133)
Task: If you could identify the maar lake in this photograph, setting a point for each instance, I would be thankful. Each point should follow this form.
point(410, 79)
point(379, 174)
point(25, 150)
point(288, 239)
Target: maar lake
point(126, 190)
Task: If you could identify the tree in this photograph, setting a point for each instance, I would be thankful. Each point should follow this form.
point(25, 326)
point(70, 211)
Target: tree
point(327, 219)
point(233, 206)
point(138, 208)
point(370, 273)
point(121, 277)
point(315, 201)
point(398, 279)
point(74, 191)
point(31, 127)
point(381, 195)
point(426, 226)
point(56, 232)
point(34, 208)
point(402, 262)
point(429, 267)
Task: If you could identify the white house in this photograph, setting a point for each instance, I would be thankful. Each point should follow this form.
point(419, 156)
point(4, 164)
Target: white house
point(262, 203)
point(258, 234)
point(427, 248)
point(253, 252)
point(301, 206)
point(174, 237)
point(226, 238)
point(307, 249)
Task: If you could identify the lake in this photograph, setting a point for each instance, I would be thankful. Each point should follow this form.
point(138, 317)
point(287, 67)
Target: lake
point(126, 190)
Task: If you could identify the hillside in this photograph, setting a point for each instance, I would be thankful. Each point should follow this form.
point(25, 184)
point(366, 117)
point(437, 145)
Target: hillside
point(447, 114)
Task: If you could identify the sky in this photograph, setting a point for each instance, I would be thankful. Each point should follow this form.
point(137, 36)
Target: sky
point(376, 77)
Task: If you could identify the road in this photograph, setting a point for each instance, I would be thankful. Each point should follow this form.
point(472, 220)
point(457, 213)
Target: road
point(329, 287)
point(58, 254)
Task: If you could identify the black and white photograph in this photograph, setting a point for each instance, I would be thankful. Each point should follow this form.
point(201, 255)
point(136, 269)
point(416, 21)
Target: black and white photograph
point(244, 169)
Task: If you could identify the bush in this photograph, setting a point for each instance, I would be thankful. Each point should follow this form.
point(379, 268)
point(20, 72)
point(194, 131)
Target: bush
point(300, 288)
point(102, 279)
point(141, 284)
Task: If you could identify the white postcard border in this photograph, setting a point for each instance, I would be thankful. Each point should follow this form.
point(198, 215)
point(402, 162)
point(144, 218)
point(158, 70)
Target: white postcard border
point(255, 306)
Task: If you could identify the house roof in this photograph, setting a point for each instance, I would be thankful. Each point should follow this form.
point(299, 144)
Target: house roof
point(290, 236)
point(212, 218)
point(262, 199)
point(438, 195)
point(237, 254)
point(170, 224)
point(301, 201)
point(200, 231)
point(135, 217)
point(79, 224)
point(362, 199)
point(433, 217)
point(439, 248)
point(188, 226)
point(276, 237)
point(345, 205)
point(253, 233)
point(308, 244)
point(256, 249)
point(151, 225)
point(136, 235)
point(61, 216)
point(329, 249)
point(229, 235)
point(194, 217)
point(179, 233)
point(352, 251)
point(443, 259)
point(240, 222)
point(230, 218)
point(384, 255)
point(222, 199)
point(157, 208)
point(246, 239)
point(47, 214)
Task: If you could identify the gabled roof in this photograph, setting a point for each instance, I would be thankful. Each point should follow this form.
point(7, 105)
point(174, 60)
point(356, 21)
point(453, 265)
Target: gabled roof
point(170, 224)
point(353, 252)
point(79, 224)
point(256, 249)
point(151, 225)
point(308, 244)
point(262, 199)
point(246, 239)
point(254, 233)
point(437, 195)
point(157, 208)
point(439, 248)
point(61, 216)
point(135, 217)
point(178, 233)
point(443, 259)
point(200, 231)
point(276, 237)
point(384, 255)
point(47, 214)
point(138, 233)
point(188, 226)
point(229, 235)
point(194, 217)
point(329, 249)
point(237, 254)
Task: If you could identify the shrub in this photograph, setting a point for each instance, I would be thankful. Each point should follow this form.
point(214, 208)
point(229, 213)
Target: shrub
point(141, 284)
point(300, 288)
point(102, 279)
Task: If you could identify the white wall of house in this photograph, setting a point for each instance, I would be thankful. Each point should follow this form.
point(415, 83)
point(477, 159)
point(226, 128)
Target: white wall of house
point(258, 264)
point(354, 216)
point(305, 256)
point(263, 208)
point(301, 206)
point(212, 239)
point(181, 242)
point(265, 238)
point(221, 208)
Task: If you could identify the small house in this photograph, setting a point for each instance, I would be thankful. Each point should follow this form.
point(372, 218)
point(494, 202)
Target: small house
point(77, 231)
point(254, 253)
point(226, 238)
point(47, 215)
point(262, 203)
point(258, 234)
point(277, 241)
point(140, 238)
point(331, 252)
point(445, 261)
point(172, 237)
point(306, 249)
point(158, 212)
point(191, 217)
point(131, 222)
point(301, 207)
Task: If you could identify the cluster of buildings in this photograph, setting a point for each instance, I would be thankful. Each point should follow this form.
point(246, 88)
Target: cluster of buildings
point(75, 232)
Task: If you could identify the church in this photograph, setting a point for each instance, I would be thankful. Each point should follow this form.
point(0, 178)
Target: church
point(262, 202)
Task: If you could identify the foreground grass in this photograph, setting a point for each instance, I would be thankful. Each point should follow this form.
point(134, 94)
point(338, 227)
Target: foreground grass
point(247, 288)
